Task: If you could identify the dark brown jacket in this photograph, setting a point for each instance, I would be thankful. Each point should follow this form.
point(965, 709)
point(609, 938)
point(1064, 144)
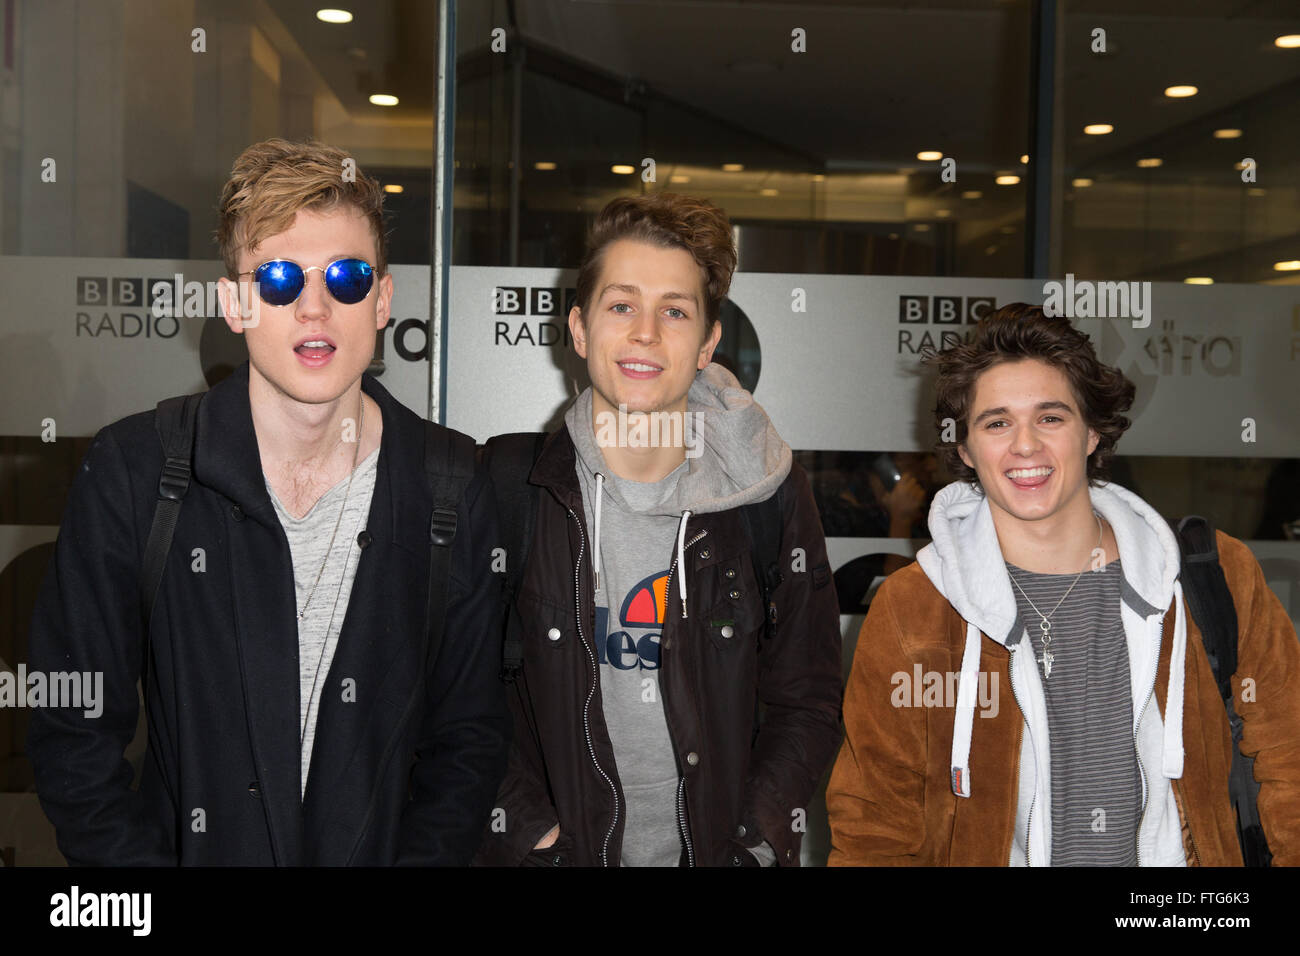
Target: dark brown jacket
point(742, 781)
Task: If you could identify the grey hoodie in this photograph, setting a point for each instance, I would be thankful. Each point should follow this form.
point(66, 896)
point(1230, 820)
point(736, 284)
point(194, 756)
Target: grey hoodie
point(638, 532)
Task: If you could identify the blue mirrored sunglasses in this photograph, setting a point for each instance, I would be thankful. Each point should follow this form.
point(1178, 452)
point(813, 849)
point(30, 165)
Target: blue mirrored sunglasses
point(281, 281)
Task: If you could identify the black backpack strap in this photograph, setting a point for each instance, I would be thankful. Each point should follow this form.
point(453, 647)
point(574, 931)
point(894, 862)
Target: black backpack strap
point(763, 524)
point(1205, 588)
point(509, 459)
point(176, 423)
point(449, 468)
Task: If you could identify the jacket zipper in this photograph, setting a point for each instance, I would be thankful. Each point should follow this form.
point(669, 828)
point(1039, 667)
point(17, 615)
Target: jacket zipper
point(681, 821)
point(1029, 824)
point(1137, 752)
point(681, 782)
point(595, 676)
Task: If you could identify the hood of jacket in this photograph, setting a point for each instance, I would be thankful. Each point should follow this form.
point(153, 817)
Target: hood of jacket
point(964, 562)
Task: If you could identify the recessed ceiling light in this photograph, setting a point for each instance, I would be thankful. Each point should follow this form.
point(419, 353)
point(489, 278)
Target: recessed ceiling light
point(1150, 163)
point(769, 191)
point(1024, 159)
point(929, 155)
point(1290, 265)
point(383, 99)
point(1081, 183)
point(1288, 42)
point(1178, 92)
point(1007, 179)
point(622, 169)
point(1098, 129)
point(1198, 280)
point(733, 167)
point(544, 166)
point(679, 178)
point(972, 194)
point(393, 188)
point(1227, 133)
point(329, 15)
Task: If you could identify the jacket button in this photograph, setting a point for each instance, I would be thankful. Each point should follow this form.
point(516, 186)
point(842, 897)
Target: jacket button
point(704, 554)
point(735, 860)
point(237, 513)
point(363, 539)
point(553, 633)
point(254, 790)
point(557, 861)
point(789, 854)
point(734, 594)
point(740, 832)
point(730, 572)
point(693, 758)
point(728, 630)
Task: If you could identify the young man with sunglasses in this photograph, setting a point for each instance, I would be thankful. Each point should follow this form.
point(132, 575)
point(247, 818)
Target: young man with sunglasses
point(299, 710)
point(1033, 690)
point(677, 702)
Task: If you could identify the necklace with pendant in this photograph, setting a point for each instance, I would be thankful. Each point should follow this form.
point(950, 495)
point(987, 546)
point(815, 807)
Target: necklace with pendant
point(1045, 625)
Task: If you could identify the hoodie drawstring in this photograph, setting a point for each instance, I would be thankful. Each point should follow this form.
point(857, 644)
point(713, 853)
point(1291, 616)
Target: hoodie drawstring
point(1172, 758)
point(681, 559)
point(964, 719)
point(595, 548)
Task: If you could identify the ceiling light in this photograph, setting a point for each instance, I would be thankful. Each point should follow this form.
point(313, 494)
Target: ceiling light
point(679, 179)
point(393, 188)
point(383, 99)
point(1288, 42)
point(769, 192)
point(1098, 129)
point(544, 166)
point(329, 15)
point(1198, 280)
point(1227, 133)
point(1291, 265)
point(1179, 92)
point(1024, 159)
point(1081, 183)
point(732, 167)
point(1007, 179)
point(929, 155)
point(622, 169)
point(972, 194)
point(1150, 163)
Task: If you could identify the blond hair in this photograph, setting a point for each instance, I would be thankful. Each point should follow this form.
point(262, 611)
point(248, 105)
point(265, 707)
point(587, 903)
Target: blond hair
point(275, 178)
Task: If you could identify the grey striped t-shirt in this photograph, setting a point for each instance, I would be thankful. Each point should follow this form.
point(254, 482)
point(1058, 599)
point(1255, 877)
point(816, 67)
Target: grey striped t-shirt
point(318, 631)
point(1096, 784)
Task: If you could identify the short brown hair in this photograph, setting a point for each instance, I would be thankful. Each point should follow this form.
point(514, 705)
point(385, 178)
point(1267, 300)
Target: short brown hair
point(1020, 331)
point(671, 222)
point(275, 178)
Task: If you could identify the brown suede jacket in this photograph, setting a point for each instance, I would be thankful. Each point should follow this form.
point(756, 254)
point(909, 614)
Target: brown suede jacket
point(890, 797)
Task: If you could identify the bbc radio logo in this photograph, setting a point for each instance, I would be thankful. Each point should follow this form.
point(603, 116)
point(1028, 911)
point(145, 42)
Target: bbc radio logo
point(547, 301)
point(951, 312)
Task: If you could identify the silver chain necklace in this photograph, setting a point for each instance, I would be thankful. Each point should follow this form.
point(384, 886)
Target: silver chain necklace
point(1046, 624)
point(356, 452)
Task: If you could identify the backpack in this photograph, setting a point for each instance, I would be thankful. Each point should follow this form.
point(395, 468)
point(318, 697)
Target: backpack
point(448, 465)
point(509, 459)
point(1210, 602)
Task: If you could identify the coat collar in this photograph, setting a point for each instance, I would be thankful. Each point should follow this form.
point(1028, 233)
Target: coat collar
point(227, 460)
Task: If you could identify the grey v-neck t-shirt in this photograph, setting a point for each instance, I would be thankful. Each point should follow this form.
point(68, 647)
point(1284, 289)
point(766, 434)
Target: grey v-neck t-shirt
point(318, 631)
point(1096, 784)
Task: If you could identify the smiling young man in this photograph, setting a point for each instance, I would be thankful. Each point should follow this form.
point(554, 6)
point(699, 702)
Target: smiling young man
point(645, 656)
point(1100, 736)
point(299, 710)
